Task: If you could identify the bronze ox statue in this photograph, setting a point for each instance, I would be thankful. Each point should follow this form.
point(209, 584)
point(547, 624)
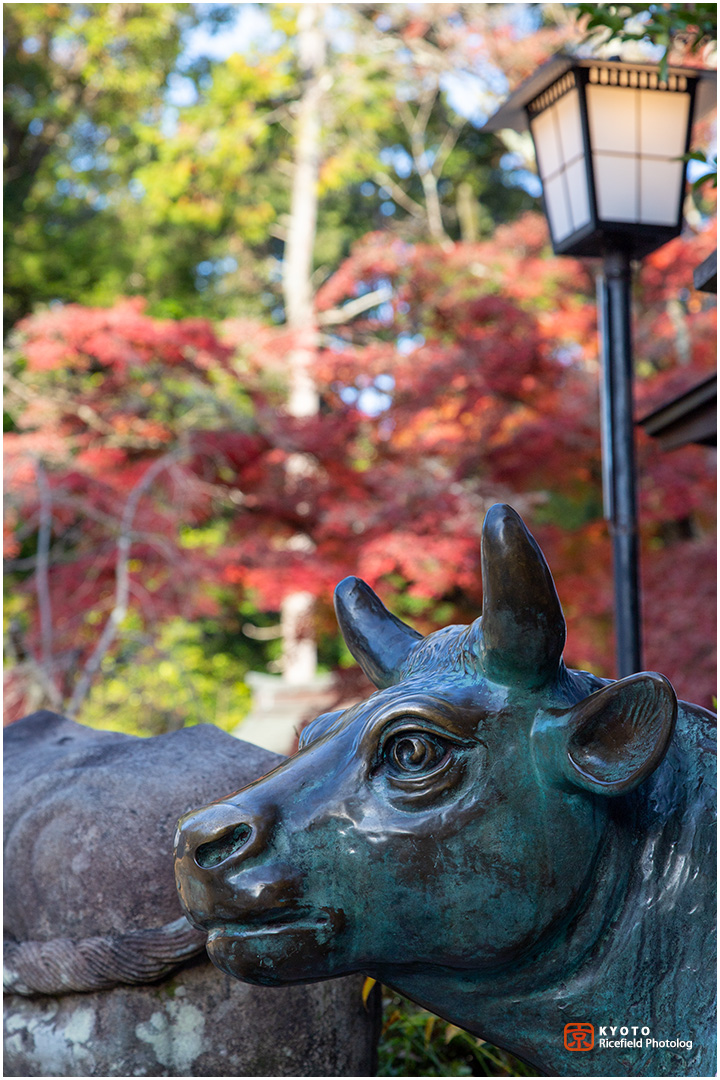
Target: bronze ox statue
point(525, 849)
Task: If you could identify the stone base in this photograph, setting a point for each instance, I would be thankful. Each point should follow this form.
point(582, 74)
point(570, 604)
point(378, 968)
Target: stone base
point(280, 709)
point(197, 1023)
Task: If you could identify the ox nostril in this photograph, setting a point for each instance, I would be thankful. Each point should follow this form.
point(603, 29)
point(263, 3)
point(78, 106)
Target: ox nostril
point(216, 851)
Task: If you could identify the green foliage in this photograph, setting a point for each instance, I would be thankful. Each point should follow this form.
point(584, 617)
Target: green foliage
point(111, 190)
point(678, 28)
point(183, 677)
point(691, 26)
point(484, 348)
point(77, 79)
point(572, 508)
point(711, 162)
point(83, 83)
point(417, 1043)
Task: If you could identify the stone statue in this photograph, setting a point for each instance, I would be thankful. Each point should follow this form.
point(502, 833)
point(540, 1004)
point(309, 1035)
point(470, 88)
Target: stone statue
point(103, 974)
point(525, 849)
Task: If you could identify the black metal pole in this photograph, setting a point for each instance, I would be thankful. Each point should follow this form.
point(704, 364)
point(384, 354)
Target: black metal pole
point(619, 455)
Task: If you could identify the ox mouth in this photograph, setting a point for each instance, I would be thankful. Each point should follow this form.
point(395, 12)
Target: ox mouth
point(279, 949)
point(273, 923)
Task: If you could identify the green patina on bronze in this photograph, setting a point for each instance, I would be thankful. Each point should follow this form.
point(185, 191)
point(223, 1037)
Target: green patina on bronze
point(513, 844)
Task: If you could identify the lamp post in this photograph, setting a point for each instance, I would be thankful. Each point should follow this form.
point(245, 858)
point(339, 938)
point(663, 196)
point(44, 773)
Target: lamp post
point(609, 140)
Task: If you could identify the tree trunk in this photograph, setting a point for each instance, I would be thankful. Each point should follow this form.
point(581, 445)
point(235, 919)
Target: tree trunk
point(299, 649)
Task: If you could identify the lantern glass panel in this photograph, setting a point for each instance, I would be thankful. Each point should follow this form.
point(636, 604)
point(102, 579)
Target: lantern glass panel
point(557, 133)
point(663, 123)
point(616, 187)
point(612, 115)
point(637, 134)
point(557, 207)
point(660, 184)
point(547, 143)
point(570, 126)
point(579, 195)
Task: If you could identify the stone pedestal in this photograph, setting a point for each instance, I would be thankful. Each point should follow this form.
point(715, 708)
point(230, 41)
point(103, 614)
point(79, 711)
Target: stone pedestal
point(199, 1022)
point(90, 900)
point(280, 709)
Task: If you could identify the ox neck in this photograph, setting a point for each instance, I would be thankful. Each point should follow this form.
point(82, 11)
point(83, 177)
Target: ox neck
point(585, 972)
point(523, 1007)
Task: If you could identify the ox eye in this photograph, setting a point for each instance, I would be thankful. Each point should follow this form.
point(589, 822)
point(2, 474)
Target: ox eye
point(414, 753)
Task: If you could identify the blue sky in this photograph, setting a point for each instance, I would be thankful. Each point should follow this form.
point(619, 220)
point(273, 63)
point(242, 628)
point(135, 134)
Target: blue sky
point(252, 27)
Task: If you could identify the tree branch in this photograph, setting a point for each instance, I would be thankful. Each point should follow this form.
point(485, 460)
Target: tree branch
point(41, 570)
point(406, 115)
point(422, 116)
point(262, 633)
point(416, 126)
point(42, 585)
point(399, 194)
point(348, 311)
point(446, 146)
point(122, 583)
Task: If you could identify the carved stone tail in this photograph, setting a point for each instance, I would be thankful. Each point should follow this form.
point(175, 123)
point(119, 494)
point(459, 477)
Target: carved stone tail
point(62, 966)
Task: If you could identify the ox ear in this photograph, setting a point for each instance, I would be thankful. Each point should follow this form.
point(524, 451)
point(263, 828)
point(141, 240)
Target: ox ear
point(378, 641)
point(618, 736)
point(523, 629)
point(322, 725)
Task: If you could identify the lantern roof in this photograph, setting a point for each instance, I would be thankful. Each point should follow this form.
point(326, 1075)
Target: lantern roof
point(512, 114)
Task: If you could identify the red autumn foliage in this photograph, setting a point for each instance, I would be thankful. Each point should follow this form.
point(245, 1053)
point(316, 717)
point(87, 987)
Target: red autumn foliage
point(477, 382)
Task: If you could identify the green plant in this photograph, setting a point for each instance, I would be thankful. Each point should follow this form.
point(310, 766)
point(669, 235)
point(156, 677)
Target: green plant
point(414, 1042)
point(688, 27)
point(710, 162)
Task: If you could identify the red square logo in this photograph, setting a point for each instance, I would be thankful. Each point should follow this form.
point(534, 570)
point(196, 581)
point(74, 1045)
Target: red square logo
point(579, 1036)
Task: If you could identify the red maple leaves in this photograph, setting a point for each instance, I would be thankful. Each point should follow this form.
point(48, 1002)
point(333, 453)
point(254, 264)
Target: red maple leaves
point(475, 382)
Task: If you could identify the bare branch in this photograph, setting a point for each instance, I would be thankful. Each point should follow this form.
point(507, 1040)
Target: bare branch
point(446, 146)
point(434, 210)
point(423, 114)
point(262, 633)
point(41, 570)
point(406, 115)
point(279, 232)
point(280, 113)
point(416, 126)
point(62, 400)
point(145, 600)
point(17, 387)
point(42, 585)
point(399, 194)
point(122, 583)
point(355, 307)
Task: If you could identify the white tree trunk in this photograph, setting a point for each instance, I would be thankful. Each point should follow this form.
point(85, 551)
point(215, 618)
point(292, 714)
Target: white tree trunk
point(299, 648)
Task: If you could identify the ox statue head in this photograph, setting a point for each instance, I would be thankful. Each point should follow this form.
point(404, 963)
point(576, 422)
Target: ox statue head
point(451, 820)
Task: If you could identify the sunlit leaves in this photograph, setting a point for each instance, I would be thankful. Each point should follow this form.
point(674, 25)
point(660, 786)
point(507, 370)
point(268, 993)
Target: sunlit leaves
point(471, 377)
point(78, 79)
point(682, 28)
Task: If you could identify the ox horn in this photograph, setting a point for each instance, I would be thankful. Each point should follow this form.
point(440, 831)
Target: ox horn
point(378, 640)
point(523, 628)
